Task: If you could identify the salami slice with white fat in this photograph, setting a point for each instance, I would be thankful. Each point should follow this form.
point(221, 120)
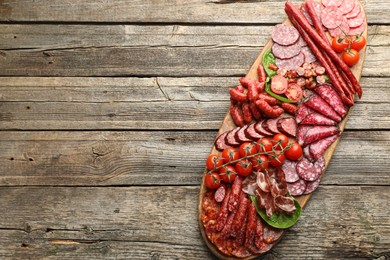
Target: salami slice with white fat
point(347, 6)
point(284, 34)
point(358, 30)
point(340, 32)
point(302, 42)
point(332, 2)
point(317, 149)
point(309, 56)
point(290, 171)
point(297, 188)
point(355, 11)
point(286, 52)
point(306, 14)
point(307, 170)
point(307, 153)
point(331, 17)
point(356, 21)
point(292, 63)
point(312, 186)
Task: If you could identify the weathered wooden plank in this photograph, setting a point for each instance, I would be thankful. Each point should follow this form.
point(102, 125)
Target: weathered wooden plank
point(67, 222)
point(151, 61)
point(158, 158)
point(195, 11)
point(145, 103)
point(57, 36)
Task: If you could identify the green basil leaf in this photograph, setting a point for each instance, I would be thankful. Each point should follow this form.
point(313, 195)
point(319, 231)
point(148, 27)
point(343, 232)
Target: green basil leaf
point(279, 220)
point(268, 58)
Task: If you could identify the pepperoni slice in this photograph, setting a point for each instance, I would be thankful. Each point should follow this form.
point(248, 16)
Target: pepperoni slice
point(291, 64)
point(284, 34)
point(331, 17)
point(307, 170)
point(358, 30)
point(332, 2)
point(356, 21)
point(297, 188)
point(355, 11)
point(309, 56)
point(347, 6)
point(312, 186)
point(290, 171)
point(340, 32)
point(286, 52)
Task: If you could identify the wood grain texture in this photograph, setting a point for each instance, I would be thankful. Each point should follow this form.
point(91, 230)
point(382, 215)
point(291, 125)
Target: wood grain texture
point(104, 223)
point(140, 11)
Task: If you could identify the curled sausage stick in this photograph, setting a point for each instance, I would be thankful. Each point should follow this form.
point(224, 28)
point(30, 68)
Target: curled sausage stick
point(237, 115)
point(269, 111)
point(237, 95)
point(261, 73)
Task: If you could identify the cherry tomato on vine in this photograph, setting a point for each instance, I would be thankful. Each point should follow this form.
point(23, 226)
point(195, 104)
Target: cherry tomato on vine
point(244, 167)
point(294, 152)
point(276, 158)
point(212, 181)
point(213, 161)
point(230, 154)
point(260, 162)
point(247, 149)
point(280, 141)
point(265, 144)
point(228, 173)
point(339, 44)
point(358, 42)
point(350, 57)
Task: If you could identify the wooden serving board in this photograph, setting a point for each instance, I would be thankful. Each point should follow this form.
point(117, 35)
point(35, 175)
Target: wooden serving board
point(228, 124)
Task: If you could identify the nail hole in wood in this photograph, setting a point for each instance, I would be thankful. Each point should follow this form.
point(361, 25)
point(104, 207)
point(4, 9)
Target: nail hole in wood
point(14, 36)
point(50, 62)
point(24, 245)
point(30, 159)
point(12, 158)
point(28, 107)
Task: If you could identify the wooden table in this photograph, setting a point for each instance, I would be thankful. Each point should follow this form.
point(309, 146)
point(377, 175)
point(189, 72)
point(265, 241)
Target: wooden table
point(108, 110)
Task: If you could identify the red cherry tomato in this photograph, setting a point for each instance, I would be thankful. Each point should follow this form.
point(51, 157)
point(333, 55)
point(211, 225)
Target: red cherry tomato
point(294, 152)
point(247, 149)
point(260, 162)
point(358, 42)
point(228, 174)
point(276, 158)
point(339, 44)
point(230, 154)
point(350, 57)
point(212, 181)
point(294, 92)
point(265, 144)
point(278, 84)
point(244, 167)
point(213, 161)
point(280, 141)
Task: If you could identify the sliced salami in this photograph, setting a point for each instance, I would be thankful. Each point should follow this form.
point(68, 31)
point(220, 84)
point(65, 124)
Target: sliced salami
point(290, 171)
point(306, 14)
point(302, 42)
point(251, 133)
point(302, 112)
point(331, 17)
point(284, 34)
point(292, 63)
point(347, 6)
point(320, 164)
point(287, 126)
point(297, 188)
point(271, 235)
point(358, 30)
point(230, 138)
point(317, 149)
point(312, 186)
point(307, 170)
point(240, 135)
point(340, 32)
point(271, 125)
point(356, 21)
point(355, 11)
point(318, 104)
point(286, 52)
point(309, 56)
point(319, 132)
point(317, 119)
point(220, 193)
point(301, 134)
point(260, 129)
point(327, 93)
point(307, 154)
point(220, 143)
point(332, 2)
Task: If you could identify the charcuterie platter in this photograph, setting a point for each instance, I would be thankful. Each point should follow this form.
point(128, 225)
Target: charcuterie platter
point(285, 121)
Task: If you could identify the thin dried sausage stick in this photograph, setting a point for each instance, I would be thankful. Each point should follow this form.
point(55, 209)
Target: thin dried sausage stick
point(223, 212)
point(235, 195)
point(255, 111)
point(246, 111)
point(236, 114)
point(237, 95)
point(316, 21)
point(238, 221)
point(269, 111)
point(250, 232)
point(261, 73)
point(259, 233)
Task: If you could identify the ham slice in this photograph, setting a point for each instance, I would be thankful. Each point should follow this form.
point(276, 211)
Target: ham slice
point(285, 203)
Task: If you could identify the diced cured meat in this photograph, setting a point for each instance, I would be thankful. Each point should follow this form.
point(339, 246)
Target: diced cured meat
point(317, 149)
point(220, 193)
point(287, 126)
point(316, 133)
point(230, 138)
point(220, 143)
point(235, 194)
point(297, 188)
point(331, 17)
point(347, 6)
point(356, 21)
point(340, 32)
point(251, 133)
point(292, 63)
point(271, 125)
point(332, 2)
point(302, 112)
point(327, 93)
point(307, 153)
point(260, 129)
point(286, 52)
point(355, 11)
point(301, 133)
point(284, 34)
point(317, 103)
point(312, 186)
point(250, 232)
point(271, 235)
point(240, 135)
point(307, 170)
point(309, 56)
point(317, 119)
point(263, 181)
point(285, 203)
point(223, 212)
point(290, 171)
point(358, 30)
